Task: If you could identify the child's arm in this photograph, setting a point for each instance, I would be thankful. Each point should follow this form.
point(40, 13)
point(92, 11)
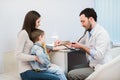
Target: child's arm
point(43, 57)
point(62, 45)
point(59, 48)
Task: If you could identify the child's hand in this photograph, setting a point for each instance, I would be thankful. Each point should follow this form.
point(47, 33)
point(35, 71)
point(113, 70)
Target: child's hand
point(57, 43)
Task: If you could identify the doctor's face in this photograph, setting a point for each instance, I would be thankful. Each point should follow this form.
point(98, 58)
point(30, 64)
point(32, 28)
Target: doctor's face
point(85, 22)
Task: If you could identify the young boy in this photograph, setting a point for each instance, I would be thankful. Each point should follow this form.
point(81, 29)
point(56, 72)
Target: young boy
point(44, 64)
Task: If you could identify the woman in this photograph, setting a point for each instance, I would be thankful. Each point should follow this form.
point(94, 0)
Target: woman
point(24, 44)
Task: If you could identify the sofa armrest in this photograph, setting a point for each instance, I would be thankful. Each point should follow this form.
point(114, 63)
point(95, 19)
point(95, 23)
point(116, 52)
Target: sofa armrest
point(110, 70)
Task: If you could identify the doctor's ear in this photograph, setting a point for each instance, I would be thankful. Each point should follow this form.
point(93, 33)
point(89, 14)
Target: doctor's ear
point(91, 18)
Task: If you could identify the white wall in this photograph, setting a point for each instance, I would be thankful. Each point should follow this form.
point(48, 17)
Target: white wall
point(59, 18)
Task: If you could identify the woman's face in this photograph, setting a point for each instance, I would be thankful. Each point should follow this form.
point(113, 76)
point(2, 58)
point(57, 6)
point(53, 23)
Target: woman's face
point(37, 23)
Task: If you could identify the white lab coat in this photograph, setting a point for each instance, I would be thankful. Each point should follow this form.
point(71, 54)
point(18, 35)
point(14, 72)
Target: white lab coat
point(100, 43)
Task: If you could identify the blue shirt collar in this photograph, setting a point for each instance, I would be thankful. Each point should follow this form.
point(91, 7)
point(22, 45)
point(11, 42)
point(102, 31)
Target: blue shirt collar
point(38, 44)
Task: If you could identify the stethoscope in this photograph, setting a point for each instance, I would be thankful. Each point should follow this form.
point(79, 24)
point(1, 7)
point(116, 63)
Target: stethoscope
point(82, 36)
point(90, 28)
point(79, 38)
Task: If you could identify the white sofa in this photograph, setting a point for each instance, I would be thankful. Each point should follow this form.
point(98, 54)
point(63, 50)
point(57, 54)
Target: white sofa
point(10, 67)
point(109, 71)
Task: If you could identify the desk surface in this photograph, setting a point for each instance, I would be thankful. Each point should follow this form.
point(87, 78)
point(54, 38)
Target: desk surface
point(66, 50)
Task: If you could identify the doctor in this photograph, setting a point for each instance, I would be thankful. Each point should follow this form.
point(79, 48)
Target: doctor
point(95, 42)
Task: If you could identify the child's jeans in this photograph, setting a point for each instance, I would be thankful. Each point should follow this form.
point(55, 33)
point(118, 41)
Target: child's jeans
point(58, 71)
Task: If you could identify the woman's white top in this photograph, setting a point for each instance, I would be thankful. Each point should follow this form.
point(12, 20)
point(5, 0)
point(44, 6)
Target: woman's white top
point(24, 45)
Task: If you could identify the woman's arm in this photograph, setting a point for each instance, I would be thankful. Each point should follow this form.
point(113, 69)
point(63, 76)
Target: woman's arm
point(21, 41)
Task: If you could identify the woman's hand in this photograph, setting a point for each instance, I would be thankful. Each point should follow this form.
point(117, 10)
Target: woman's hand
point(37, 59)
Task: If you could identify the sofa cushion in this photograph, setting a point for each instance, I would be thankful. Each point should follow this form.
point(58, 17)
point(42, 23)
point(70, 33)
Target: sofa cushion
point(10, 76)
point(10, 62)
point(114, 52)
point(10, 67)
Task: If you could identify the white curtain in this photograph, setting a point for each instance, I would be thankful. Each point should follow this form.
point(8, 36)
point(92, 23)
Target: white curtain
point(108, 15)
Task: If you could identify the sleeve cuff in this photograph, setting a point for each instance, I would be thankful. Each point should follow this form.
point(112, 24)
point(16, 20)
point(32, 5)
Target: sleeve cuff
point(92, 53)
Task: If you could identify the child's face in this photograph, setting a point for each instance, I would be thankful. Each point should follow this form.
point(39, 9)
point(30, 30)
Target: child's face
point(42, 39)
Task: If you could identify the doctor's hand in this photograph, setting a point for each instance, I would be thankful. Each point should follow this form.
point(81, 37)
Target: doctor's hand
point(81, 46)
point(76, 45)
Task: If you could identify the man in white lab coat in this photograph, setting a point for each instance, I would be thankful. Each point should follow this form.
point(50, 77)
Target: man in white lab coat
point(95, 42)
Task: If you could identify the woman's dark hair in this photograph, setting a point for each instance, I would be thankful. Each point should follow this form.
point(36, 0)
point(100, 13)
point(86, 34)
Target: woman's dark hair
point(89, 12)
point(35, 34)
point(30, 21)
